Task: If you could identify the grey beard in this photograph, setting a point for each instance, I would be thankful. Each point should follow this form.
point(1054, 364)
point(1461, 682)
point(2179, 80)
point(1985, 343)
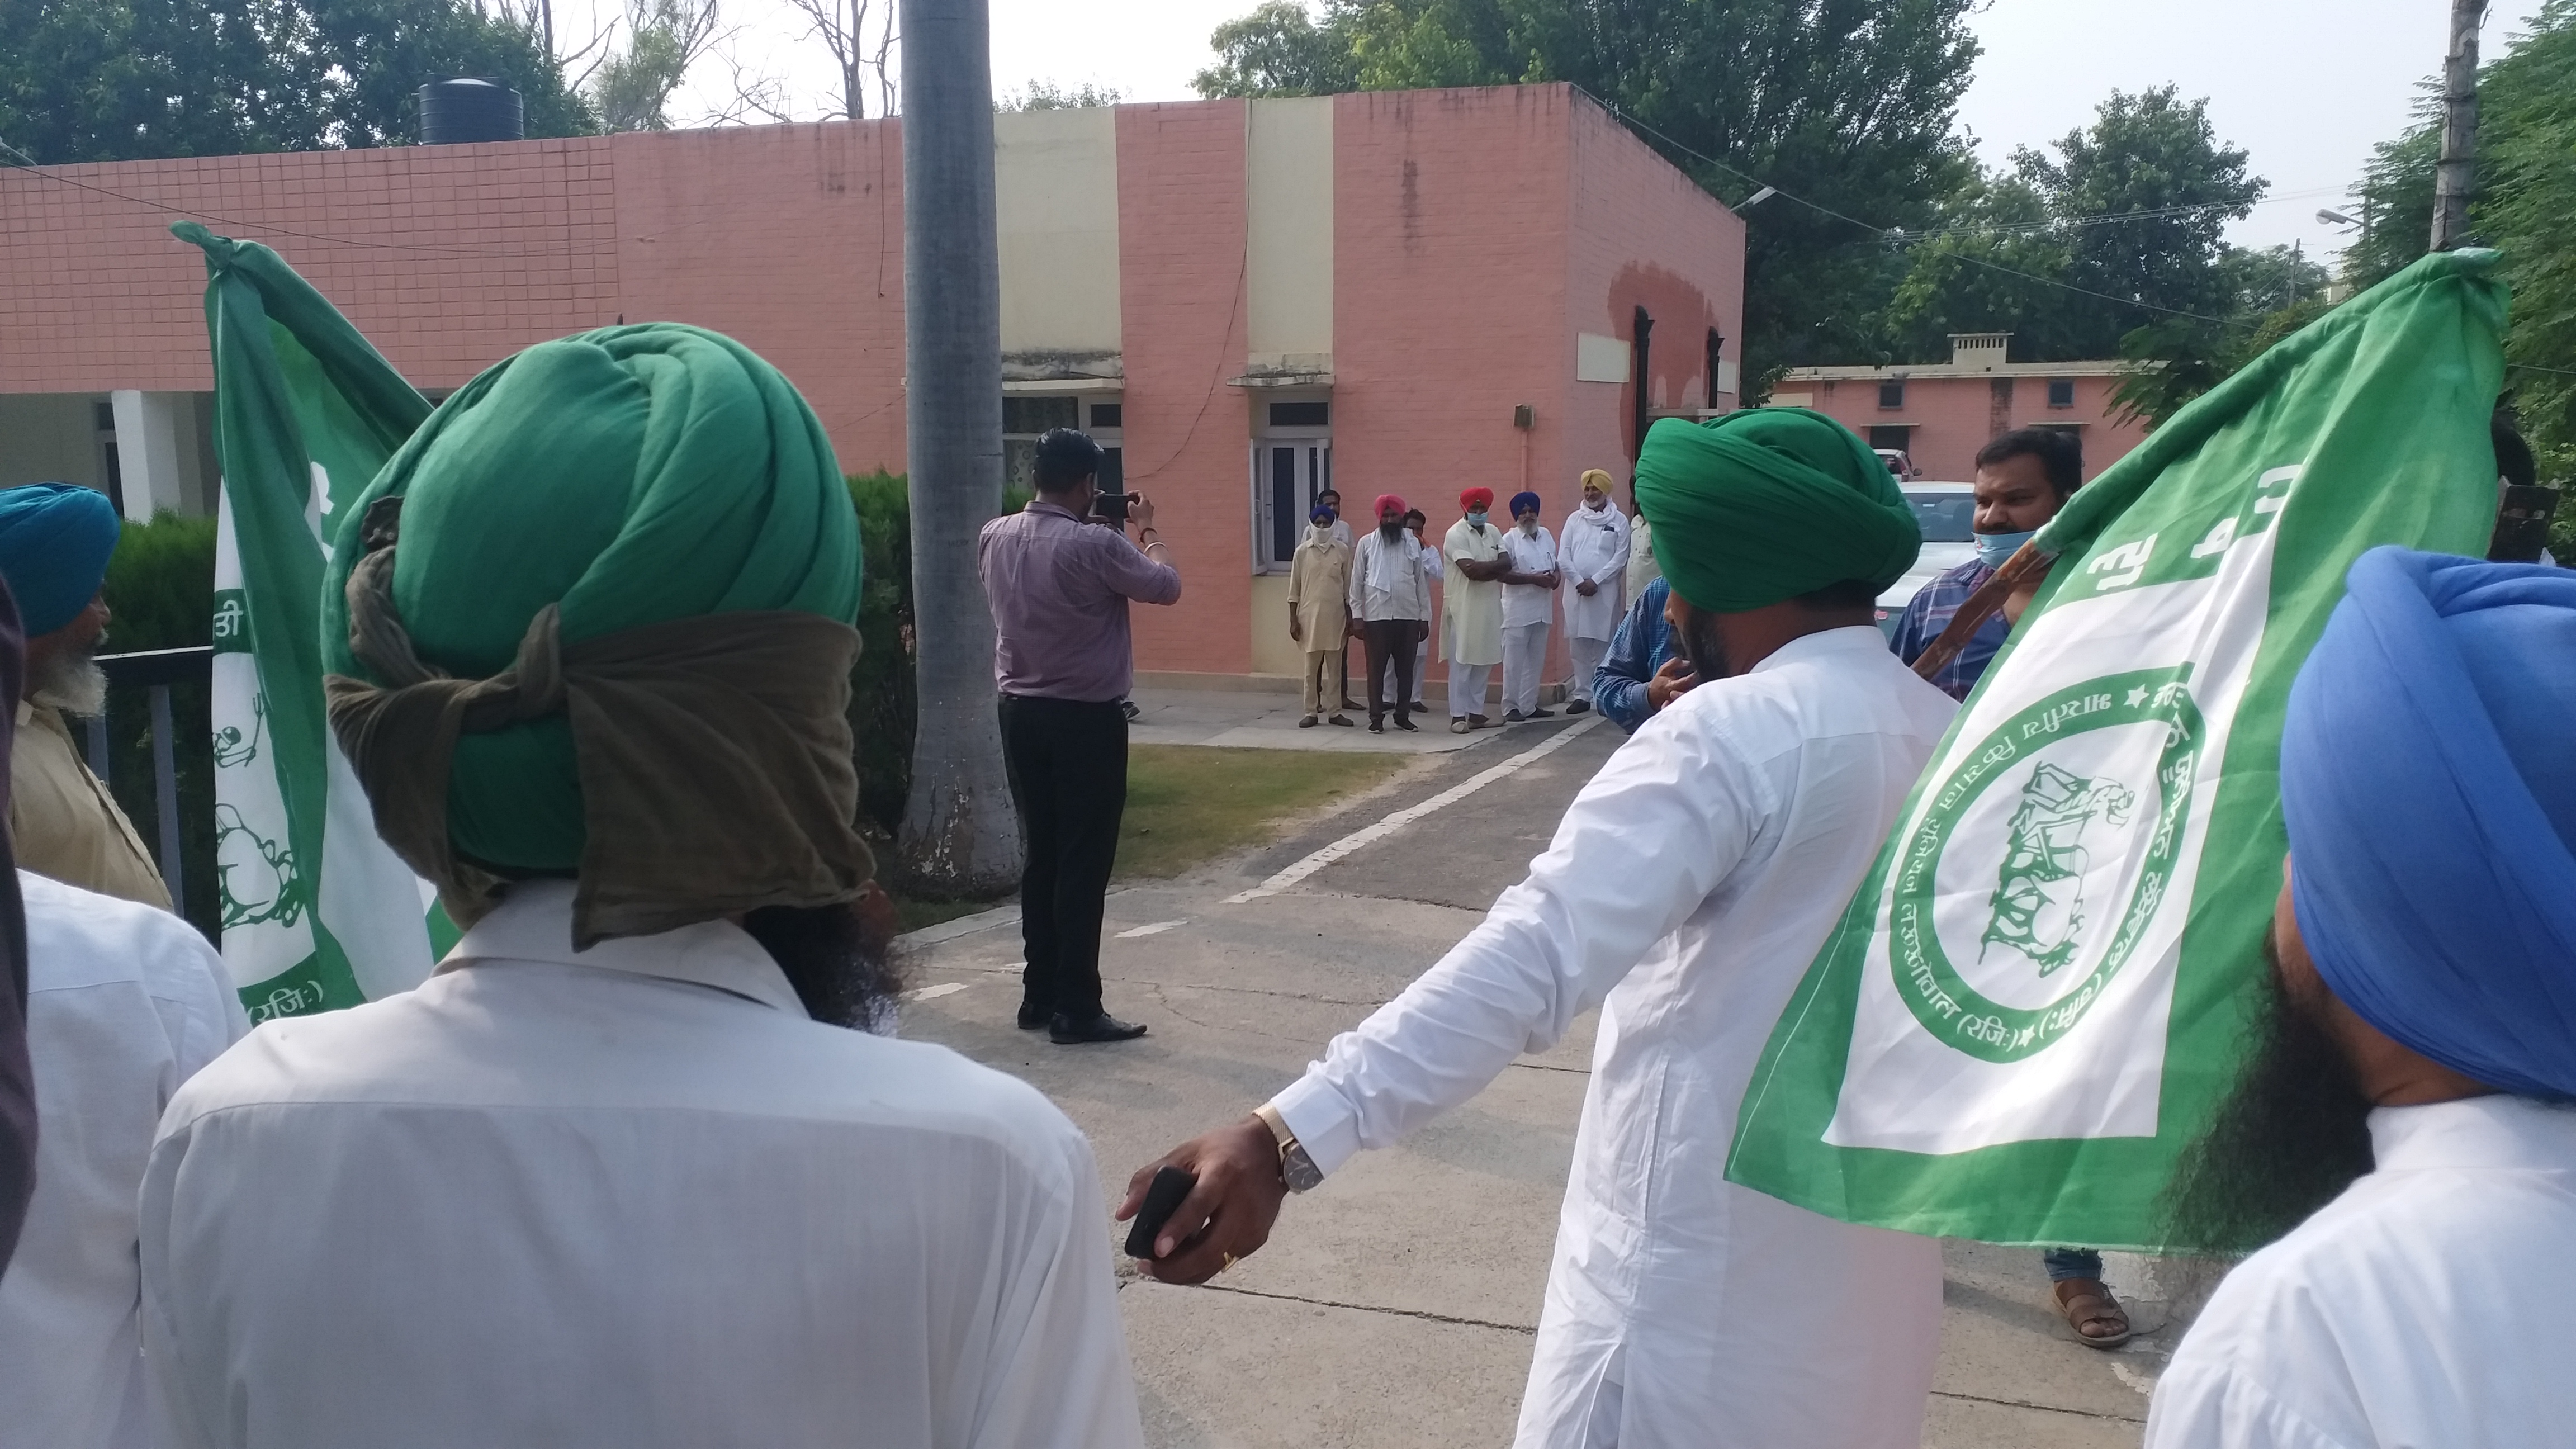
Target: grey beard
point(71, 683)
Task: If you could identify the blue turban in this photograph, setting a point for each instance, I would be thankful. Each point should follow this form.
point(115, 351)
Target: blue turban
point(1523, 500)
point(2430, 796)
point(54, 543)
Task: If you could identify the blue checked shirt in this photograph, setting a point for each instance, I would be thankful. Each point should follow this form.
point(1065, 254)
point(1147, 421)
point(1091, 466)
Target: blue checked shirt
point(1643, 644)
point(1930, 612)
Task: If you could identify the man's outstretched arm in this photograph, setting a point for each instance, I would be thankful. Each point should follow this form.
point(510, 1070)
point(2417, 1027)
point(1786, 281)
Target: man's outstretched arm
point(1644, 844)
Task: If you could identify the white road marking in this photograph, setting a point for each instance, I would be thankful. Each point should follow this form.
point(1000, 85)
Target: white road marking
point(1363, 838)
point(2145, 1384)
point(933, 993)
point(1156, 929)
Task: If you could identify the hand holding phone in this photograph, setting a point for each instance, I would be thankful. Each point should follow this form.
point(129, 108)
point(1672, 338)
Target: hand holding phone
point(1162, 1197)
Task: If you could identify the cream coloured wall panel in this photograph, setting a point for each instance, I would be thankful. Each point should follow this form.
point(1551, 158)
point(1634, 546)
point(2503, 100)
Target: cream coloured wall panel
point(1289, 281)
point(1055, 181)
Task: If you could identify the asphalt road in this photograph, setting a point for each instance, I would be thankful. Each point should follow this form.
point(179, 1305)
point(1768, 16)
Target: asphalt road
point(1395, 1306)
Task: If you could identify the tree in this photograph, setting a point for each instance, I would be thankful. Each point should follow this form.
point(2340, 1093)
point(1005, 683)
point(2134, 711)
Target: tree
point(2521, 204)
point(1845, 105)
point(862, 60)
point(960, 835)
point(119, 80)
point(1049, 96)
point(2109, 248)
point(631, 89)
point(1277, 50)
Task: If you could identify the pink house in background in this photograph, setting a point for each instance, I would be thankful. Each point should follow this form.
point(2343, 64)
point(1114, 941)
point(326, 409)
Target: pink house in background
point(1409, 292)
point(1942, 413)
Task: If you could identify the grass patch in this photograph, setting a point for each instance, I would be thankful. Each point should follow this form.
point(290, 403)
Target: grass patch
point(1190, 804)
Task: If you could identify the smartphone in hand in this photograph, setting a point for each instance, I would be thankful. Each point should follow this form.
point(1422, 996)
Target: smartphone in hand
point(1162, 1198)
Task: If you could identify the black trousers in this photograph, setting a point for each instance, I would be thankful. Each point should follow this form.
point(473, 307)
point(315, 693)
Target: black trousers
point(1390, 640)
point(1068, 766)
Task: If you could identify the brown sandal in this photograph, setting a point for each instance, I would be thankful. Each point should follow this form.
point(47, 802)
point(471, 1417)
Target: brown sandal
point(2092, 1306)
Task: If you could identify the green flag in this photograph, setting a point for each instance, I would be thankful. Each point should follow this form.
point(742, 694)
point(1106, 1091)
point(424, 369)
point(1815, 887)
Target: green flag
point(318, 913)
point(2040, 990)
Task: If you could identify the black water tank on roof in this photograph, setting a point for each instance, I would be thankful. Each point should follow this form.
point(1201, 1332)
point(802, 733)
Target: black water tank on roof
point(464, 109)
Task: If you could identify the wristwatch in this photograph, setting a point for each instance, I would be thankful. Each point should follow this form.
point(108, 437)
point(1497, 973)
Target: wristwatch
point(1295, 1166)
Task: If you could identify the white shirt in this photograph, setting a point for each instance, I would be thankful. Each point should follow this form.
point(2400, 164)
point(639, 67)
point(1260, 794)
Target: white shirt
point(124, 1002)
point(1389, 580)
point(2420, 1309)
point(1594, 546)
point(1530, 553)
point(632, 1198)
point(1686, 890)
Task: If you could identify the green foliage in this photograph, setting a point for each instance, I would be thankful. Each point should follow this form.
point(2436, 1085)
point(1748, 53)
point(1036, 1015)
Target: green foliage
point(120, 80)
point(160, 595)
point(884, 697)
point(633, 87)
point(1277, 50)
point(2073, 252)
point(1042, 95)
point(883, 700)
point(161, 584)
point(1847, 103)
point(2525, 206)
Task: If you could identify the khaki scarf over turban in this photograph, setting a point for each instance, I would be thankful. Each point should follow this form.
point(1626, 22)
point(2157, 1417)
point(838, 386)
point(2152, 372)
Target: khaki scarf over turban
point(1761, 505)
point(594, 619)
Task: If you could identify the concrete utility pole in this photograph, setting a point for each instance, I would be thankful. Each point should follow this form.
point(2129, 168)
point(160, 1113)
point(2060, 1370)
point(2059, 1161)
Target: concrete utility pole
point(960, 835)
point(2459, 126)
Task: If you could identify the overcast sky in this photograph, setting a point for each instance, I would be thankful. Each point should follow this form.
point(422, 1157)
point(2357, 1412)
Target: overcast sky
point(2305, 86)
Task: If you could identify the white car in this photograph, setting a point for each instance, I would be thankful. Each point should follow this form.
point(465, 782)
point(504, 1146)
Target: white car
point(1948, 513)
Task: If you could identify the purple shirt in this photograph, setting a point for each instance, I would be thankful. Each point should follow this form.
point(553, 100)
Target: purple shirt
point(1059, 589)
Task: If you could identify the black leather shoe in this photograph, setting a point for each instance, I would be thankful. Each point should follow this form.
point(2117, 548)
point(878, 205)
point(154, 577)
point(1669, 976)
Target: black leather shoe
point(1033, 1017)
point(1542, 714)
point(1101, 1026)
point(1404, 723)
point(1577, 707)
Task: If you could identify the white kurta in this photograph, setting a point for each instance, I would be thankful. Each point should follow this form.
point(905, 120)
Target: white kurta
point(630, 1199)
point(1686, 890)
point(1594, 546)
point(1526, 604)
point(2419, 1310)
point(1471, 614)
point(124, 1002)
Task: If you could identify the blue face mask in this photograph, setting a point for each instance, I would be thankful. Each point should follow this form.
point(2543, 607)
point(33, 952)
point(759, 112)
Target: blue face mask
point(1994, 548)
point(1476, 516)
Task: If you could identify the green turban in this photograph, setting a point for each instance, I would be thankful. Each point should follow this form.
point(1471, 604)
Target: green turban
point(1765, 504)
point(599, 607)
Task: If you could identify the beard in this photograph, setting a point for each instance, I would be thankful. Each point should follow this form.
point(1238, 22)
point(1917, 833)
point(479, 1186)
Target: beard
point(1388, 531)
point(1701, 645)
point(2290, 1137)
point(838, 957)
point(72, 683)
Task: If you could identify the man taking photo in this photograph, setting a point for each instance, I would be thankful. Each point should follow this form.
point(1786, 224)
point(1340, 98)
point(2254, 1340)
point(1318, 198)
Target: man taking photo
point(1062, 656)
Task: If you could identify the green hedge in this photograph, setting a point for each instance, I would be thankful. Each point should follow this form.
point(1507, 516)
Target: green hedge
point(160, 586)
point(160, 595)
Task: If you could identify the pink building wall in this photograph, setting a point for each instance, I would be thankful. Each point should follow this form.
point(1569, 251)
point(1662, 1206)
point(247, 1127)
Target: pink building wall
point(1475, 233)
point(1955, 416)
point(1182, 324)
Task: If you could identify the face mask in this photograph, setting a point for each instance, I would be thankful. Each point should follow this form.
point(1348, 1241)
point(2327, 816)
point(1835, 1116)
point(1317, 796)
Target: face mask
point(1994, 548)
point(1476, 519)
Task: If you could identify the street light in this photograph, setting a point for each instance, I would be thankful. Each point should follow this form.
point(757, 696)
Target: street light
point(1757, 198)
point(2335, 218)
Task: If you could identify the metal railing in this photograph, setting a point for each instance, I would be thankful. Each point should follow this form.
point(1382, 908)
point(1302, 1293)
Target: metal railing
point(156, 670)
